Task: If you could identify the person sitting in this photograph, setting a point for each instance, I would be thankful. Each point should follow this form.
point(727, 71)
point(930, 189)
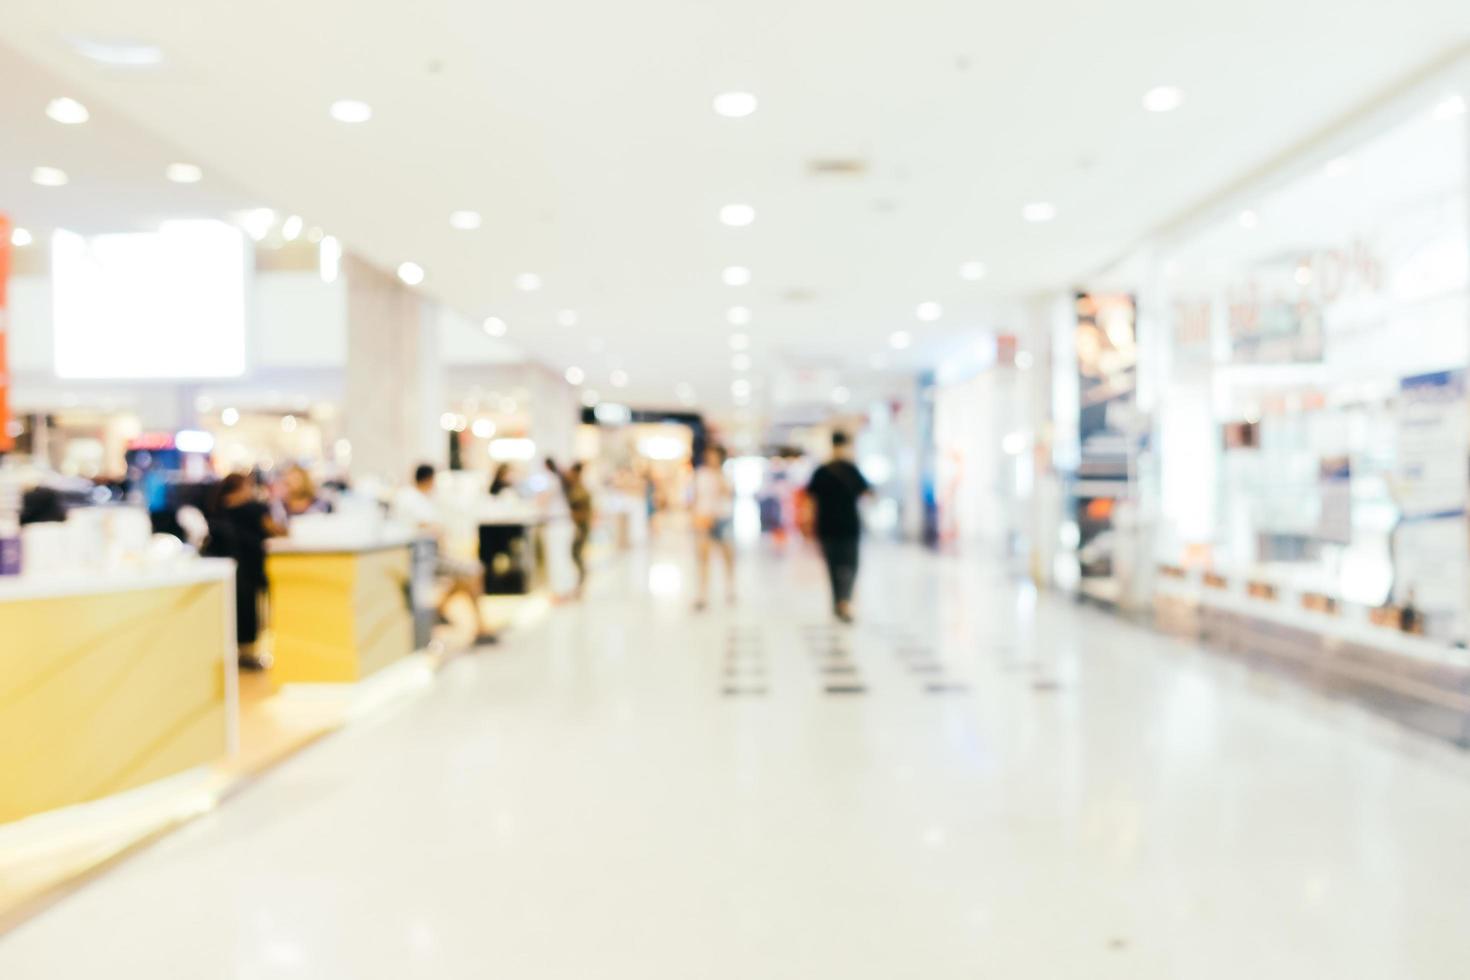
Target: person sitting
point(414, 505)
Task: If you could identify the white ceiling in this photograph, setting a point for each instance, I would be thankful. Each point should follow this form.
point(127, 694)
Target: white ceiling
point(583, 133)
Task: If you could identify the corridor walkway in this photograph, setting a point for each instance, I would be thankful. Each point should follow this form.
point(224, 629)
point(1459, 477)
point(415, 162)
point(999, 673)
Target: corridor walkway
point(976, 782)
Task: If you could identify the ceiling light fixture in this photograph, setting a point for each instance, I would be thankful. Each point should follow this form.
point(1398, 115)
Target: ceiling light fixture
point(575, 375)
point(737, 215)
point(972, 271)
point(117, 53)
point(619, 379)
point(351, 111)
point(411, 273)
point(735, 105)
point(1338, 167)
point(291, 228)
point(67, 111)
point(1163, 98)
point(736, 275)
point(20, 237)
point(567, 318)
point(48, 176)
point(929, 312)
point(183, 173)
point(739, 341)
point(528, 282)
point(329, 258)
point(493, 326)
point(258, 223)
point(1039, 211)
point(738, 316)
point(464, 220)
point(1249, 220)
point(900, 339)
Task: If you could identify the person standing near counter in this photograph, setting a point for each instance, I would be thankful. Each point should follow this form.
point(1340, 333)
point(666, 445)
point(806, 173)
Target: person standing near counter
point(414, 505)
point(713, 509)
point(579, 502)
point(239, 524)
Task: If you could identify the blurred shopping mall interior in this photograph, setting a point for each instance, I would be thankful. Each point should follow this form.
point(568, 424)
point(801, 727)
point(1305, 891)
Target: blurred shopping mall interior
point(767, 490)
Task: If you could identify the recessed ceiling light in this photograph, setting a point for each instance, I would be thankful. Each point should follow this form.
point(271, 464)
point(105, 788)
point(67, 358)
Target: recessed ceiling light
point(900, 339)
point(48, 176)
point(1450, 107)
point(736, 275)
point(411, 273)
point(575, 375)
point(739, 341)
point(735, 105)
point(68, 112)
point(258, 223)
point(1249, 220)
point(483, 428)
point(738, 315)
point(740, 388)
point(464, 220)
point(291, 228)
point(494, 326)
point(972, 271)
point(183, 173)
point(840, 395)
point(1163, 98)
point(567, 318)
point(1338, 167)
point(737, 215)
point(929, 312)
point(740, 362)
point(117, 53)
point(619, 379)
point(1039, 211)
point(528, 282)
point(20, 237)
point(351, 111)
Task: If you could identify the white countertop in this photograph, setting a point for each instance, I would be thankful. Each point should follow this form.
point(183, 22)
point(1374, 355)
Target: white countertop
point(22, 588)
point(338, 546)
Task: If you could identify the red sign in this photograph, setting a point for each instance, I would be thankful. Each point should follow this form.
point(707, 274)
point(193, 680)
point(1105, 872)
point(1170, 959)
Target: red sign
point(6, 442)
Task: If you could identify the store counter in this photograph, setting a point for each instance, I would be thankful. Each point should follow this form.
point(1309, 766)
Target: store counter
point(339, 611)
point(112, 680)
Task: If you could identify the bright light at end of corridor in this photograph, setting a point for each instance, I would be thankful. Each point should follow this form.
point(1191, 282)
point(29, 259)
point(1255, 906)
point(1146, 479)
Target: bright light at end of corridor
point(665, 580)
point(735, 105)
point(1163, 98)
point(1249, 220)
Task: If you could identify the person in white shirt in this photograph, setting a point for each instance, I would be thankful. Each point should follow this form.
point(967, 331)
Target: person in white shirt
point(714, 511)
point(414, 506)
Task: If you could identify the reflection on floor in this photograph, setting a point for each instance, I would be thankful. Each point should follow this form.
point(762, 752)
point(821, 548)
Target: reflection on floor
point(976, 781)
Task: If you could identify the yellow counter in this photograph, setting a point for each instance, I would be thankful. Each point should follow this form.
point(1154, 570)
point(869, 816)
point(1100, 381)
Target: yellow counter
point(337, 615)
point(112, 681)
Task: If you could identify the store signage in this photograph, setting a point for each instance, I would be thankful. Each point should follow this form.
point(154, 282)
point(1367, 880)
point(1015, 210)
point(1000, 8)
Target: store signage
point(7, 442)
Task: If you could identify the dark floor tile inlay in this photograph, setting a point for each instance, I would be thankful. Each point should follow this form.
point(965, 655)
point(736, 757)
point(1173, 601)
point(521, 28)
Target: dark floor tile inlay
point(845, 689)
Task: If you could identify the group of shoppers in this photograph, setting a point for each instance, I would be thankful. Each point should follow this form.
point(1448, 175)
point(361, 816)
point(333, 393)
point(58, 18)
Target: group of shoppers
point(833, 493)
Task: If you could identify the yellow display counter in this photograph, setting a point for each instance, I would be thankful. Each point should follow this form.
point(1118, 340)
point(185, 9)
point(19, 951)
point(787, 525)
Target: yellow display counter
point(113, 680)
point(338, 615)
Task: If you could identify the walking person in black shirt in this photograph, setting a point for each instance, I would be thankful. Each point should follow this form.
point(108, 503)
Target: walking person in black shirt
point(834, 490)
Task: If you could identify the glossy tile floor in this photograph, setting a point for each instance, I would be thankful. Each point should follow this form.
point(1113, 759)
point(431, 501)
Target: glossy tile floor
point(1018, 788)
